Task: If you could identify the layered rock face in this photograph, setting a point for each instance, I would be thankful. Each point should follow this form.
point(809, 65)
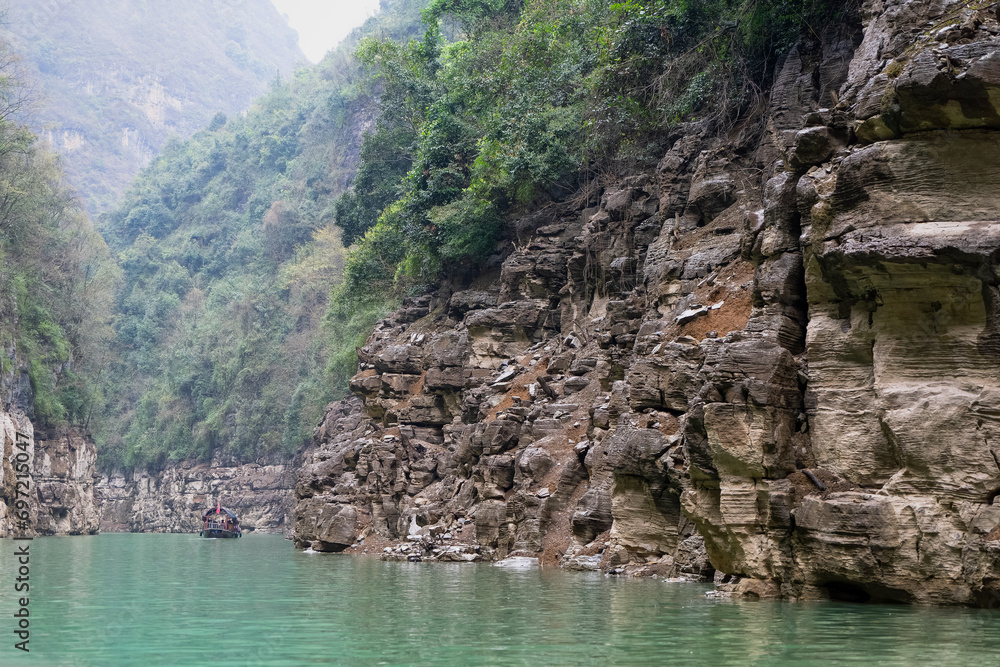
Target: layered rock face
point(55, 476)
point(13, 469)
point(535, 412)
point(68, 496)
point(173, 500)
point(773, 356)
point(65, 476)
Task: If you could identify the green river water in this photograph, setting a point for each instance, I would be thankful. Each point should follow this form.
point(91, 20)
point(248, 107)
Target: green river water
point(127, 599)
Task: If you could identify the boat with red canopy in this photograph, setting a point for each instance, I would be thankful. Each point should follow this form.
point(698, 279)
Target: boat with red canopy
point(220, 522)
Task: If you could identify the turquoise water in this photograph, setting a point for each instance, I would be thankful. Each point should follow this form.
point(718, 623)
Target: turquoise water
point(180, 600)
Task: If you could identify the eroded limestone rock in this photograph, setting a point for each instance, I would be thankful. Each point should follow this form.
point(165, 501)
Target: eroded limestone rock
point(772, 356)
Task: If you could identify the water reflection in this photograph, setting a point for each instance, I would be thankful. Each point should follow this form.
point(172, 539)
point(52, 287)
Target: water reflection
point(182, 600)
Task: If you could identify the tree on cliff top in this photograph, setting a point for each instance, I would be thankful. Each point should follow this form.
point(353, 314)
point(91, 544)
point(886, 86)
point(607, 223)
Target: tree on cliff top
point(528, 98)
point(57, 280)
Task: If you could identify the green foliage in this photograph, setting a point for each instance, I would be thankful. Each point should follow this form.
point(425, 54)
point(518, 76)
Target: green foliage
point(386, 156)
point(243, 311)
point(668, 61)
point(467, 227)
point(471, 13)
point(349, 320)
point(484, 124)
point(529, 94)
point(218, 121)
point(230, 254)
point(57, 282)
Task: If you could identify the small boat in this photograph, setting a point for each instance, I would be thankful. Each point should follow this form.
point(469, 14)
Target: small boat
point(220, 522)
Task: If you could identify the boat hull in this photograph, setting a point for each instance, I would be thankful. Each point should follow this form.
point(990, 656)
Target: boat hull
point(219, 533)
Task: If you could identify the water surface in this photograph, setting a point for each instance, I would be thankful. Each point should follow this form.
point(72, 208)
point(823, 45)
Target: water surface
point(127, 599)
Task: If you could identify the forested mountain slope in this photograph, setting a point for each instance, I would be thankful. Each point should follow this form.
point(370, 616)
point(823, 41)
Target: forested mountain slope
point(57, 282)
point(114, 79)
point(472, 113)
point(229, 252)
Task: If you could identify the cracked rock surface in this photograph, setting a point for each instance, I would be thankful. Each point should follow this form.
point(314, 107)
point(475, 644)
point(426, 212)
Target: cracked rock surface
point(772, 358)
point(55, 474)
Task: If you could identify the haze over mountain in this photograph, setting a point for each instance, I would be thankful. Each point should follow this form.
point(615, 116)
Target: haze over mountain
point(115, 79)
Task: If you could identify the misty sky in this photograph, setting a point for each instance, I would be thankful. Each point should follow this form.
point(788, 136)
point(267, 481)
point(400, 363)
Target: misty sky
point(323, 23)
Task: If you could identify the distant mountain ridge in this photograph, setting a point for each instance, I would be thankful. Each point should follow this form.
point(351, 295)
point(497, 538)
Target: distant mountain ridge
point(116, 79)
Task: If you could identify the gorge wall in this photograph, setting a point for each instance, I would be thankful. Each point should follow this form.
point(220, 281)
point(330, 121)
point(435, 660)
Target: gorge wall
point(67, 495)
point(55, 475)
point(174, 499)
point(774, 356)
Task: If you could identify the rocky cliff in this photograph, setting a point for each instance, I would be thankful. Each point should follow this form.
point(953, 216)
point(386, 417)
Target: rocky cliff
point(54, 475)
point(773, 356)
point(11, 466)
point(65, 475)
point(66, 494)
point(173, 500)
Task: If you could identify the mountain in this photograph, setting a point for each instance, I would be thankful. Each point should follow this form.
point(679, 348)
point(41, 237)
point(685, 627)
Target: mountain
point(115, 79)
point(229, 252)
point(654, 287)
